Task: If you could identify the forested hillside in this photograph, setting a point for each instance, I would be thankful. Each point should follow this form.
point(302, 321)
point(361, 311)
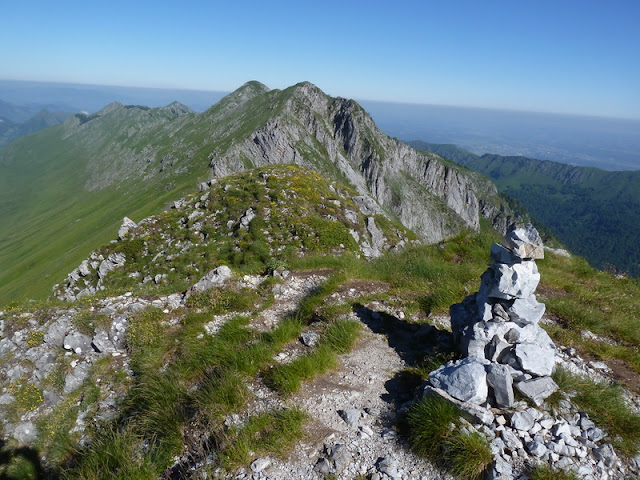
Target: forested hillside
point(594, 212)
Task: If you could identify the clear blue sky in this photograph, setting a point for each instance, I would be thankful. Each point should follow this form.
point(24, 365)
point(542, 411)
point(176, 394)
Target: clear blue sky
point(564, 56)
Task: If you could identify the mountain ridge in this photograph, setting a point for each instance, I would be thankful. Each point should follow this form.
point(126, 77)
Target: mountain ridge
point(131, 161)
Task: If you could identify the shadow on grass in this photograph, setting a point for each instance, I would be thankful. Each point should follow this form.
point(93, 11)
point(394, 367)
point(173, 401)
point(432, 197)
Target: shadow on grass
point(23, 463)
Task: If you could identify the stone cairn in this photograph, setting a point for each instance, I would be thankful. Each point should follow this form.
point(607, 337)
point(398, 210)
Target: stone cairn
point(497, 331)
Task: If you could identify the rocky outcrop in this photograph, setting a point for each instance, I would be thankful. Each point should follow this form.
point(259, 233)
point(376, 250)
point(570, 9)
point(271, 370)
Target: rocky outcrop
point(127, 224)
point(89, 277)
point(215, 278)
point(334, 220)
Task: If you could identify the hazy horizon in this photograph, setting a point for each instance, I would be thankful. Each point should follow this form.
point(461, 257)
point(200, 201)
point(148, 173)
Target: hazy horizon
point(602, 142)
point(359, 99)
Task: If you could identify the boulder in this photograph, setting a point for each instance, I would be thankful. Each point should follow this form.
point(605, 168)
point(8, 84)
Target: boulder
point(500, 381)
point(526, 310)
point(535, 359)
point(535, 448)
point(102, 343)
point(249, 215)
point(309, 338)
point(514, 281)
point(215, 278)
point(499, 313)
point(605, 454)
point(377, 237)
point(522, 421)
point(537, 389)
point(57, 332)
point(25, 433)
point(473, 413)
point(464, 379)
point(113, 261)
point(340, 456)
point(77, 342)
point(127, 224)
point(501, 470)
point(83, 269)
point(500, 254)
point(495, 348)
point(351, 416)
point(77, 377)
point(260, 464)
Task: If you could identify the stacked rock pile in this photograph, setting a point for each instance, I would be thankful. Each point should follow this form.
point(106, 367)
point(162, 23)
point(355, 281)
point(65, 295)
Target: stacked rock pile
point(497, 331)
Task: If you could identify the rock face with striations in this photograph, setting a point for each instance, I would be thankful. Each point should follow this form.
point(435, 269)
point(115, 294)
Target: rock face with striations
point(335, 136)
point(497, 330)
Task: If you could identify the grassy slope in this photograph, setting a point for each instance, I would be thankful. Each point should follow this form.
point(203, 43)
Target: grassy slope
point(424, 278)
point(49, 222)
point(595, 213)
point(47, 183)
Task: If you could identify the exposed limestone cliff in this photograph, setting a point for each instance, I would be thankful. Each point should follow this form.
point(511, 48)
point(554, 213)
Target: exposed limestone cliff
point(336, 136)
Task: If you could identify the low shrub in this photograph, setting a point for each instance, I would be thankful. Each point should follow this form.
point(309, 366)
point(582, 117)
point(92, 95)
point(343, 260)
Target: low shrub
point(545, 472)
point(469, 455)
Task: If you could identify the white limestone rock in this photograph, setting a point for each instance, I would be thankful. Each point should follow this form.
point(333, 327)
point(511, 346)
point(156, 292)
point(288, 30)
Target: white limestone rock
point(247, 217)
point(515, 281)
point(215, 278)
point(127, 224)
point(522, 421)
point(25, 433)
point(102, 343)
point(113, 261)
point(499, 379)
point(500, 254)
point(525, 243)
point(84, 268)
point(464, 379)
point(535, 358)
point(526, 310)
point(473, 413)
point(77, 343)
point(537, 389)
point(58, 331)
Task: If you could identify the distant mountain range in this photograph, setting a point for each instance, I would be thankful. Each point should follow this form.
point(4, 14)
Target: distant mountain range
point(594, 212)
point(10, 130)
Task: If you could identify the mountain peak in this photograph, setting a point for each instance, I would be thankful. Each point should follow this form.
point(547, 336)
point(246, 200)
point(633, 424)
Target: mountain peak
point(110, 108)
point(254, 85)
point(308, 90)
point(176, 108)
point(240, 96)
